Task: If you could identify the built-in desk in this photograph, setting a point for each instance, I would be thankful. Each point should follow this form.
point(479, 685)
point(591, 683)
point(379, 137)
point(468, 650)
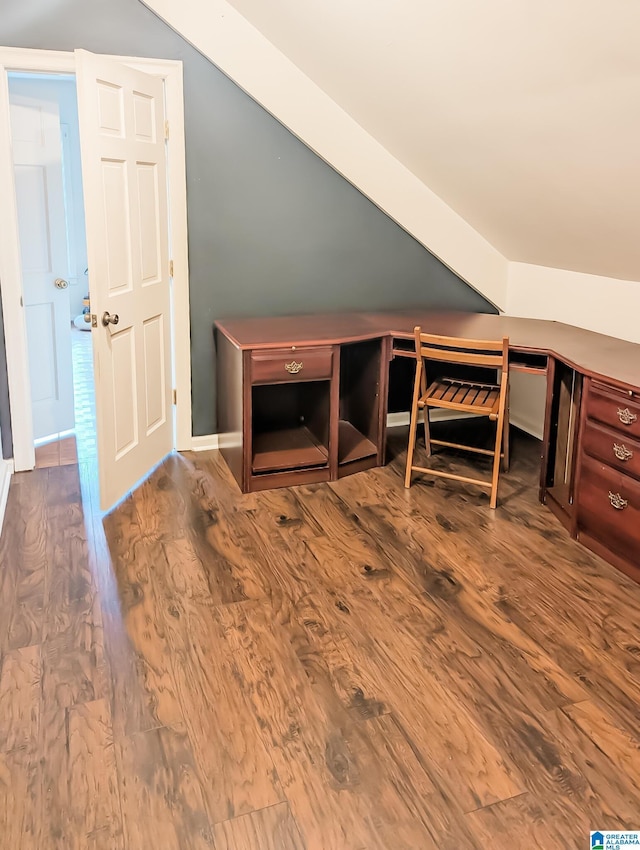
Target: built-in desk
point(303, 399)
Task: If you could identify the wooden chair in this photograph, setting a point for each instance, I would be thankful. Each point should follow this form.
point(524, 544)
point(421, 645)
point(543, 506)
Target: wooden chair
point(465, 396)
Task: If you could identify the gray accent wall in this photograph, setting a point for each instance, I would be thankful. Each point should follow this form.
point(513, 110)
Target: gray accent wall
point(272, 228)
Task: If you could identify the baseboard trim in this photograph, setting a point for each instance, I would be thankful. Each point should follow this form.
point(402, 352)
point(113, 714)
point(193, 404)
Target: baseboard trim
point(6, 471)
point(205, 443)
point(211, 442)
point(396, 420)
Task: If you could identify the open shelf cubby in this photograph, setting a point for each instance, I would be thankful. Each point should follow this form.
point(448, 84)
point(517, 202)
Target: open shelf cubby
point(290, 426)
point(359, 421)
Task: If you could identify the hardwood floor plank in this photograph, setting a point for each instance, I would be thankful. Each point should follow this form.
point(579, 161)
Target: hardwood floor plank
point(524, 822)
point(181, 504)
point(273, 828)
point(238, 776)
point(93, 785)
point(475, 622)
point(20, 688)
point(132, 706)
point(339, 792)
point(146, 693)
point(449, 732)
point(543, 763)
point(408, 774)
point(326, 656)
point(73, 648)
point(20, 801)
point(610, 796)
point(10, 545)
point(622, 749)
point(28, 562)
point(162, 798)
point(295, 594)
point(20, 811)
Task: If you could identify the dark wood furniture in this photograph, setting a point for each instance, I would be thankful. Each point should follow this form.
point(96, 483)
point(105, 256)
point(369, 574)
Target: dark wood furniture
point(281, 425)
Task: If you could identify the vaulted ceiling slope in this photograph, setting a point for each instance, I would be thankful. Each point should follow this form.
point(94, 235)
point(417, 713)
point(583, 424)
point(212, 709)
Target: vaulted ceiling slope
point(522, 116)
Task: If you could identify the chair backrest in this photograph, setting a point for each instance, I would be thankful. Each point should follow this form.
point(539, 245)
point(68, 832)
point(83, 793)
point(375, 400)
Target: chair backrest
point(492, 354)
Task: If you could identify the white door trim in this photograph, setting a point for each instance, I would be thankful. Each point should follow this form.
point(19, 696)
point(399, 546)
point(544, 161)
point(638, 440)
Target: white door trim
point(48, 61)
point(6, 470)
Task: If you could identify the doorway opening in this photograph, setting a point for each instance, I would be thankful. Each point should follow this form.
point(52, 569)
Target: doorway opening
point(137, 246)
point(50, 206)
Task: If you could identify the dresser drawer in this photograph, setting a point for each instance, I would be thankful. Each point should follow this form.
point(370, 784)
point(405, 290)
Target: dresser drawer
point(617, 450)
point(286, 364)
point(609, 508)
point(614, 408)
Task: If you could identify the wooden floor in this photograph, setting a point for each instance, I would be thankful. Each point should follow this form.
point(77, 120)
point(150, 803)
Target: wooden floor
point(334, 666)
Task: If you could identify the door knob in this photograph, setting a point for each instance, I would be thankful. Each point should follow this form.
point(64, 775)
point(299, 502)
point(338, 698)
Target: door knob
point(108, 319)
point(61, 283)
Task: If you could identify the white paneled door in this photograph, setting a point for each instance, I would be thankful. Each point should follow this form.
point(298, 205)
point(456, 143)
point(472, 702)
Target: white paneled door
point(37, 160)
point(122, 140)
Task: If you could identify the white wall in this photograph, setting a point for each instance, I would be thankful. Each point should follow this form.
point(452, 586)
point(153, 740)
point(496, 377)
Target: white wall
point(601, 304)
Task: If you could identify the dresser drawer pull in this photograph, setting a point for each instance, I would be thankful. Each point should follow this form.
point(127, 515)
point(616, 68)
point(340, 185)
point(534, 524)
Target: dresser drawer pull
point(622, 452)
point(293, 368)
point(626, 416)
point(617, 501)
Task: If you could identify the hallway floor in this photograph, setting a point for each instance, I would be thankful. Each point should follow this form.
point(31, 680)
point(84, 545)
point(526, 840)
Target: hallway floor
point(81, 445)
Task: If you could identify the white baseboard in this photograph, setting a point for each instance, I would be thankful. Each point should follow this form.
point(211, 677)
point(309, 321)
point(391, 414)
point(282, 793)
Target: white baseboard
point(395, 420)
point(210, 442)
point(6, 470)
point(205, 443)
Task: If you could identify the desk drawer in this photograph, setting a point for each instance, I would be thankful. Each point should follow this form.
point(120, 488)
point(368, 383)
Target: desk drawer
point(285, 364)
point(615, 449)
point(615, 408)
point(609, 509)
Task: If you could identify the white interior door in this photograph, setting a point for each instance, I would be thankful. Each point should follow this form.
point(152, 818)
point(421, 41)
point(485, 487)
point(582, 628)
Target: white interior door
point(122, 141)
point(37, 159)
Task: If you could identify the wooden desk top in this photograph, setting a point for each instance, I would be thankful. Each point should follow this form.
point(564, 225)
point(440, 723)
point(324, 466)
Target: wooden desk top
point(594, 354)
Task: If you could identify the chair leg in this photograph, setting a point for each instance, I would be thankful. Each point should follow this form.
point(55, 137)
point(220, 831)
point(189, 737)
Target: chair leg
point(413, 424)
point(427, 430)
point(496, 463)
point(505, 438)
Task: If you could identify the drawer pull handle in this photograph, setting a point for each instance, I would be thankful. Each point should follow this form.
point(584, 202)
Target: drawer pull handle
point(293, 368)
point(617, 501)
point(622, 452)
point(626, 416)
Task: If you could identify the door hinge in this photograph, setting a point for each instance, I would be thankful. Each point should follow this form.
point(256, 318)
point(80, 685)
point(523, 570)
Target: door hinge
point(170, 268)
point(174, 396)
point(166, 129)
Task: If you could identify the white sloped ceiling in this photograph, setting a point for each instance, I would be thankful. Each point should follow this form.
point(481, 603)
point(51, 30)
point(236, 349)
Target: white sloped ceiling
point(522, 116)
